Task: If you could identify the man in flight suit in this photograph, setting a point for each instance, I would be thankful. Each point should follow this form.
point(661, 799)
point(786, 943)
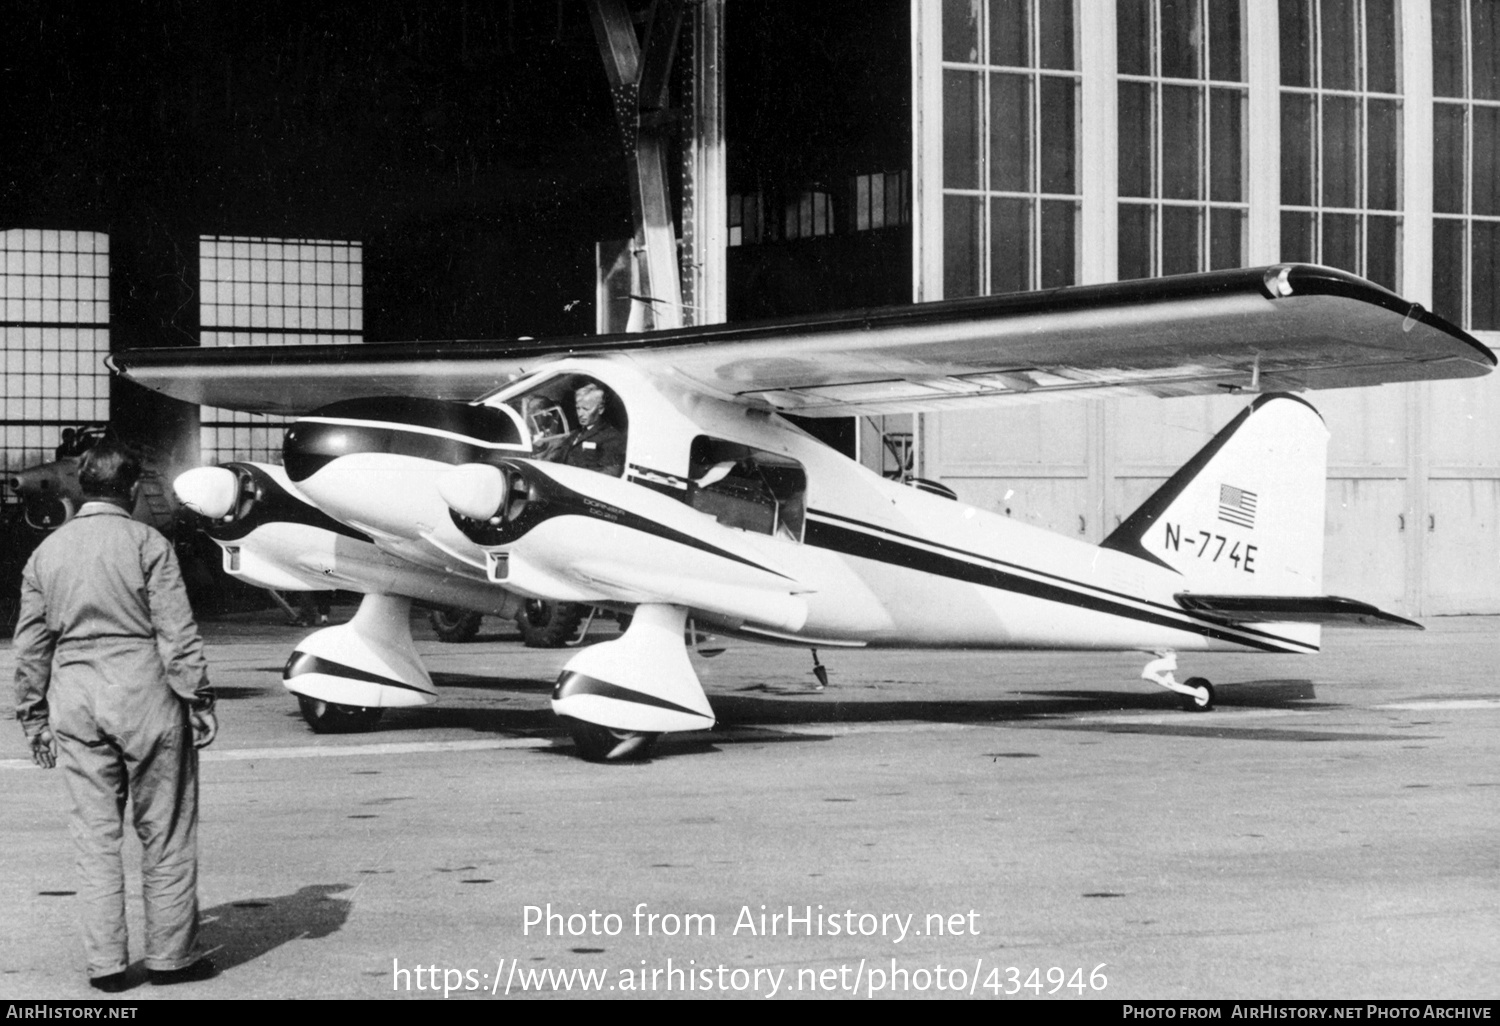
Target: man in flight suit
point(597, 444)
point(111, 682)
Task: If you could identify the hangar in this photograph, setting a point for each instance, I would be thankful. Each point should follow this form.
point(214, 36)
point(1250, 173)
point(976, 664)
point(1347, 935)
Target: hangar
point(207, 176)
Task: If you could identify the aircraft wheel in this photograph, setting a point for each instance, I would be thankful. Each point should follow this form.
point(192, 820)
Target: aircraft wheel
point(332, 718)
point(605, 744)
point(1197, 703)
point(549, 624)
point(454, 624)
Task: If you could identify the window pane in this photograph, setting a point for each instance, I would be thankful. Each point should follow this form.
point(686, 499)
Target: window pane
point(1226, 155)
point(1448, 48)
point(1448, 269)
point(1058, 135)
point(1136, 229)
point(1010, 246)
point(1008, 33)
point(1339, 68)
point(961, 216)
point(1383, 154)
point(1136, 135)
point(1010, 132)
point(1226, 230)
point(1296, 149)
point(1382, 236)
point(1224, 42)
point(1296, 42)
point(1484, 165)
point(1485, 312)
point(960, 130)
point(1133, 35)
point(1182, 164)
point(1059, 244)
point(1486, 30)
point(1341, 241)
point(1057, 34)
point(1297, 236)
point(1448, 158)
point(1181, 38)
point(1179, 240)
point(1340, 151)
point(961, 30)
point(1380, 46)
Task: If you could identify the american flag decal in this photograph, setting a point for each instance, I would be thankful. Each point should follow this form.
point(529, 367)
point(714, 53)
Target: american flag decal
point(1236, 506)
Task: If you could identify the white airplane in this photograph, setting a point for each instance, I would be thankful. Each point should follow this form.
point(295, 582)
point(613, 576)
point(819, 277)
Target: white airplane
point(729, 519)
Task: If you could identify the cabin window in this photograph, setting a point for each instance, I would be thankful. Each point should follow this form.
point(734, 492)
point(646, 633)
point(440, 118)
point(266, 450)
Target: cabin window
point(577, 420)
point(748, 488)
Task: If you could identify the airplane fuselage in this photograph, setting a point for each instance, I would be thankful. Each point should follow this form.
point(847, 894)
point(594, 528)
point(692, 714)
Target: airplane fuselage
point(836, 556)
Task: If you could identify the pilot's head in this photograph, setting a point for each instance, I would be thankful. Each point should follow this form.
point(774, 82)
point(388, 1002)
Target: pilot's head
point(109, 472)
point(589, 402)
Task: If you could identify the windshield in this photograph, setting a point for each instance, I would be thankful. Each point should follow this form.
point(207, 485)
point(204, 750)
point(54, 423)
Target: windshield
point(574, 419)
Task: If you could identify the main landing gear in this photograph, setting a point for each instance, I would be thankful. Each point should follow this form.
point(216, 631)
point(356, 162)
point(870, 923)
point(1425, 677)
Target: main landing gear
point(345, 676)
point(1197, 693)
point(618, 695)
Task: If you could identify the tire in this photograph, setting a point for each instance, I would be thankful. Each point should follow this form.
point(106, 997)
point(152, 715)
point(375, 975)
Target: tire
point(452, 624)
point(549, 624)
point(332, 718)
point(594, 743)
point(1194, 704)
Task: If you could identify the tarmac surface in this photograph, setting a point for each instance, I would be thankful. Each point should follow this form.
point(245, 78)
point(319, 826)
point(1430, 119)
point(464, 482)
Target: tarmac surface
point(1003, 824)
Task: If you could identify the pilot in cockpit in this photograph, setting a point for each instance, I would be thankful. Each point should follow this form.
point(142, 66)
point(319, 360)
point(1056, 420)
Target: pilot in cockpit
point(596, 445)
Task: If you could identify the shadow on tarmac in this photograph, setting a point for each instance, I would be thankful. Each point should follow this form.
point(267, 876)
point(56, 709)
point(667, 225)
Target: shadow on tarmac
point(241, 931)
point(770, 706)
point(766, 706)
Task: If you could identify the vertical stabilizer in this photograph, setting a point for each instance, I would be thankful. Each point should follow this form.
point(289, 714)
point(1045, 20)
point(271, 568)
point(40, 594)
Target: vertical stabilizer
point(1245, 515)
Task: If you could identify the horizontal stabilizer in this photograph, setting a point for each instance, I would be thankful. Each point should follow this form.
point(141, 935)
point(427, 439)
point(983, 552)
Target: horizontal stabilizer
point(1330, 610)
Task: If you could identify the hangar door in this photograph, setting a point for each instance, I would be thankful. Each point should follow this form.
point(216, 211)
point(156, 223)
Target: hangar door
point(1413, 499)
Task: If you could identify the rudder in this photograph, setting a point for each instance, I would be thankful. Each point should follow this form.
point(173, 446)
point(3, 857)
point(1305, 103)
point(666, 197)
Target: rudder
point(1244, 515)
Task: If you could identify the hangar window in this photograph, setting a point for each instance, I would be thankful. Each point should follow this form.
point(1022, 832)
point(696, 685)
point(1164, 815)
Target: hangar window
point(54, 323)
point(748, 488)
point(262, 291)
point(881, 201)
point(1341, 136)
point(1182, 97)
point(746, 219)
point(1466, 162)
point(1011, 193)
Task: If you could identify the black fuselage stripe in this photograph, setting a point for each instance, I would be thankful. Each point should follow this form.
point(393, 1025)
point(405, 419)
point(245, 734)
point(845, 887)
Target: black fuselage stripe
point(887, 550)
point(1172, 611)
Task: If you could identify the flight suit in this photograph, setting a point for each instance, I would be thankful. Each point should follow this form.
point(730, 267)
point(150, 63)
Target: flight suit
point(601, 448)
point(108, 656)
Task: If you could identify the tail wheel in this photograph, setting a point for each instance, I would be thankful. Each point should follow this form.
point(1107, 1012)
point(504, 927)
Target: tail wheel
point(549, 624)
point(454, 624)
point(605, 744)
point(1198, 702)
point(332, 718)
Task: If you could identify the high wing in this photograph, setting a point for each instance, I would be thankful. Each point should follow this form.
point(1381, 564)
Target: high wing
point(1287, 327)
